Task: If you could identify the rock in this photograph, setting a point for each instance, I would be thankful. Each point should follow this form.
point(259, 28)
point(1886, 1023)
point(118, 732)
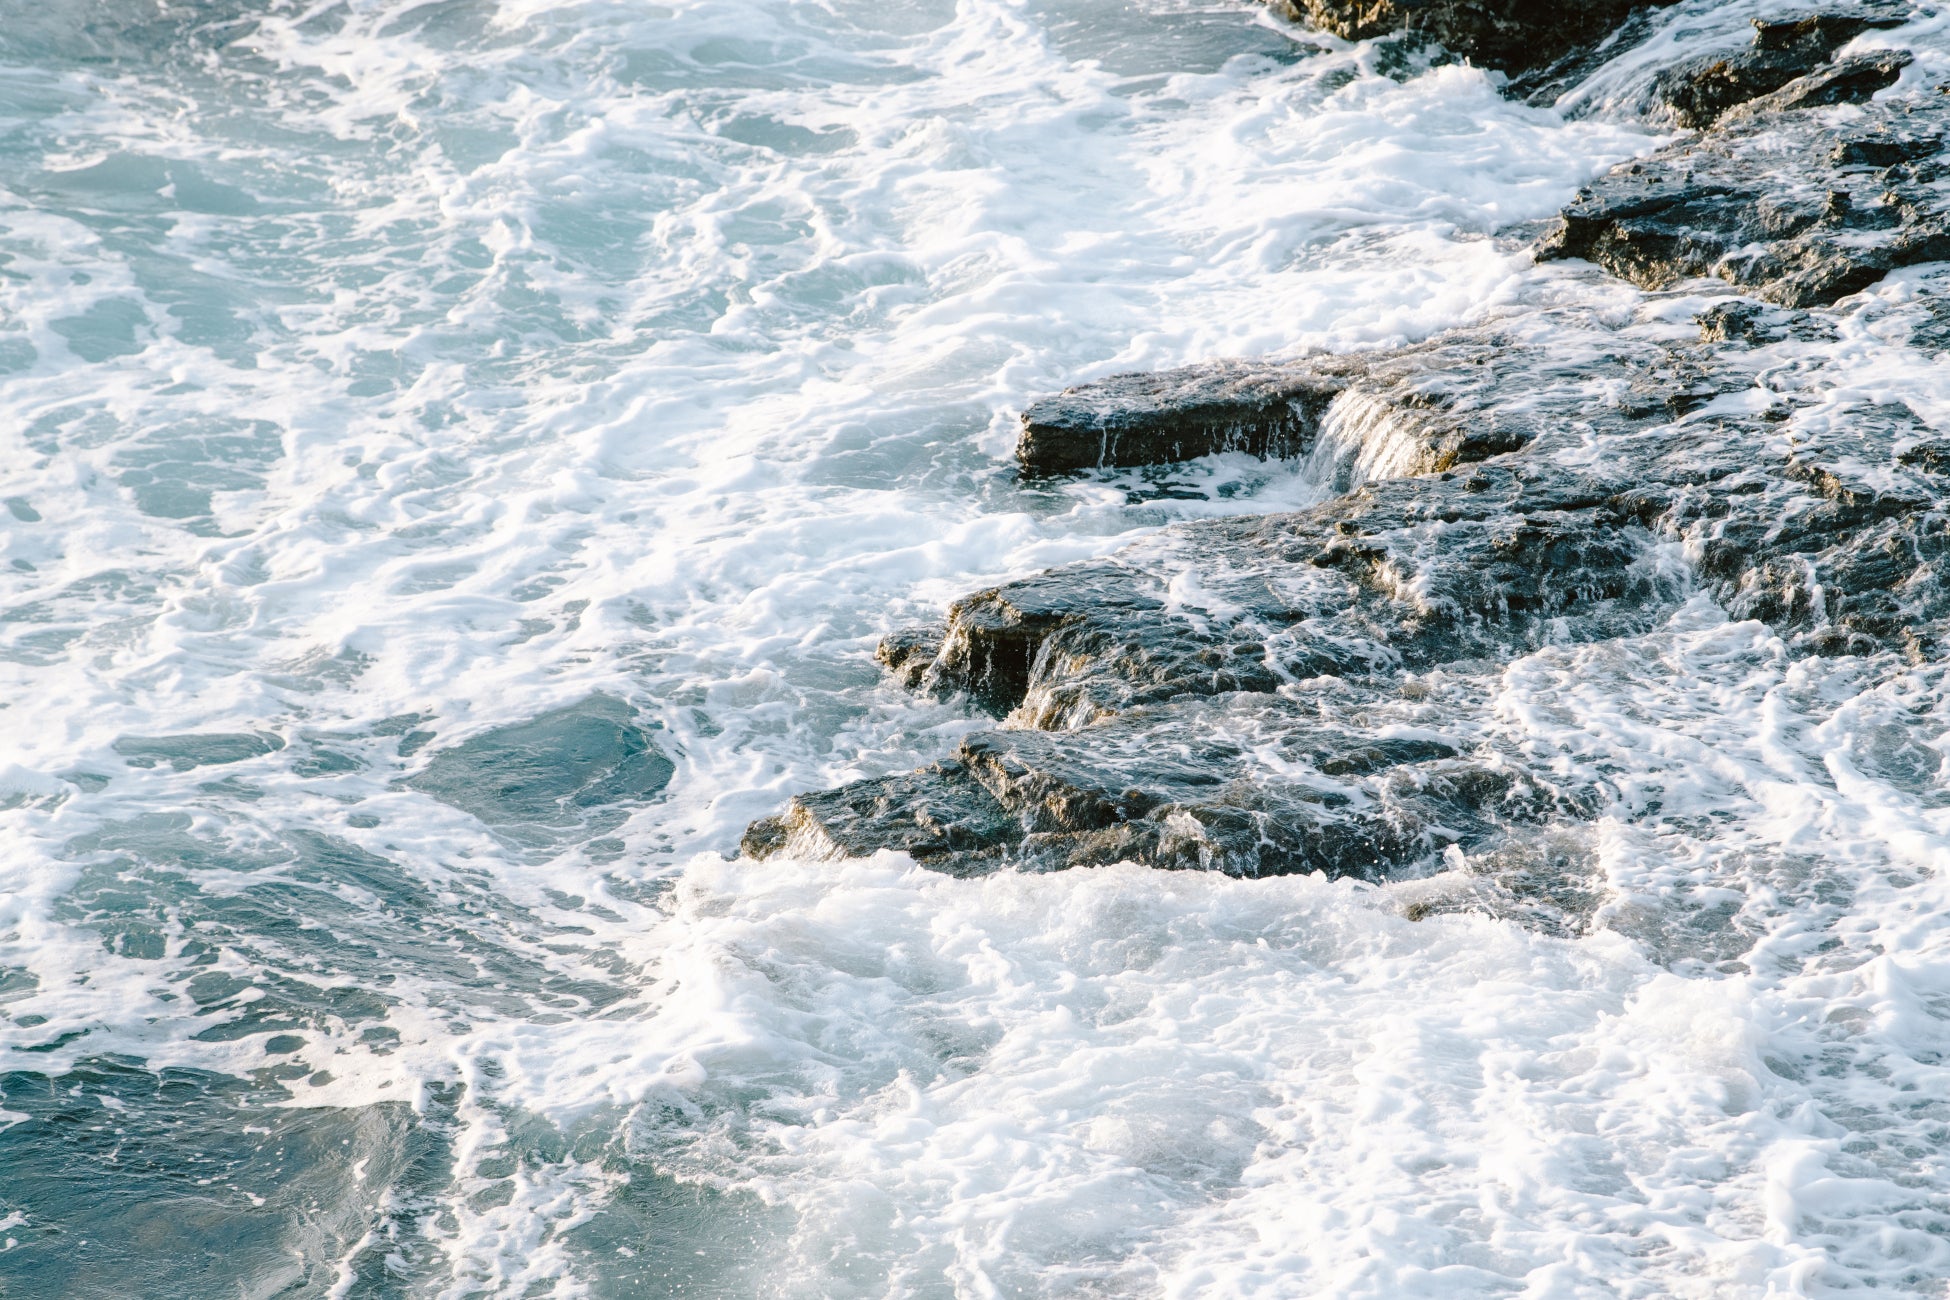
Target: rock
point(1696, 93)
point(1249, 785)
point(563, 770)
point(1512, 35)
point(1238, 694)
point(1845, 547)
point(1851, 81)
point(1796, 206)
point(937, 815)
point(1824, 33)
point(1399, 574)
point(1150, 419)
point(907, 653)
point(1746, 322)
point(1426, 398)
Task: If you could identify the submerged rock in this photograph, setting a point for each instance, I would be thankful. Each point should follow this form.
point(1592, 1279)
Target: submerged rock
point(564, 769)
point(197, 749)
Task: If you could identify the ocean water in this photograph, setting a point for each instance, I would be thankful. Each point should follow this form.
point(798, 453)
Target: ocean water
point(457, 459)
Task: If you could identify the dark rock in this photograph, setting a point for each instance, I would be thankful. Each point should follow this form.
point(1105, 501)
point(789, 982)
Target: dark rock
point(1882, 151)
point(1696, 93)
point(1150, 419)
point(1509, 34)
point(1742, 322)
point(1170, 704)
point(1429, 396)
point(1847, 548)
point(1851, 81)
point(907, 653)
point(1763, 203)
point(1399, 574)
point(1823, 33)
point(1249, 785)
point(937, 815)
point(567, 769)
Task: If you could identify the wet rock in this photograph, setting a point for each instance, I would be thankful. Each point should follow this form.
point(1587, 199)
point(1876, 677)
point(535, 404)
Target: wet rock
point(1744, 322)
point(1509, 34)
point(1545, 878)
point(1150, 419)
point(907, 653)
point(1696, 93)
point(1249, 785)
point(566, 769)
point(1824, 33)
point(1777, 201)
point(1398, 574)
point(1846, 546)
point(937, 815)
point(1851, 81)
point(1427, 396)
point(1171, 704)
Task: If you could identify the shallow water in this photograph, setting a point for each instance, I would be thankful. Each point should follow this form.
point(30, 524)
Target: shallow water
point(460, 457)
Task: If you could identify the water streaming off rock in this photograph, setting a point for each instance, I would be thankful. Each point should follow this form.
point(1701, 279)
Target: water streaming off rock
point(459, 458)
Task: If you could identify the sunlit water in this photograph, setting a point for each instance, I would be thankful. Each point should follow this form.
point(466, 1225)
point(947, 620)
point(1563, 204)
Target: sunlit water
point(380, 376)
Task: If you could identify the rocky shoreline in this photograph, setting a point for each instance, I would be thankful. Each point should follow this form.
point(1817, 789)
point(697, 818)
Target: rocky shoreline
point(1312, 691)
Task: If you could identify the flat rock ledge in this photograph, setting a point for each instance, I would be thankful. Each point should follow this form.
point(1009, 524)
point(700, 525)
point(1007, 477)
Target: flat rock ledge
point(1313, 691)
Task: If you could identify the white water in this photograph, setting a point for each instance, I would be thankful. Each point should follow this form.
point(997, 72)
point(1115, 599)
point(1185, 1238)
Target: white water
point(461, 359)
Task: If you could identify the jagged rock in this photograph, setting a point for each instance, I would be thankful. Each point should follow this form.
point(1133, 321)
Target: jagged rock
point(1160, 703)
point(1696, 93)
point(1245, 784)
point(1398, 574)
point(1748, 322)
point(1777, 201)
point(1847, 544)
point(937, 815)
point(907, 653)
point(1508, 34)
point(1852, 81)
